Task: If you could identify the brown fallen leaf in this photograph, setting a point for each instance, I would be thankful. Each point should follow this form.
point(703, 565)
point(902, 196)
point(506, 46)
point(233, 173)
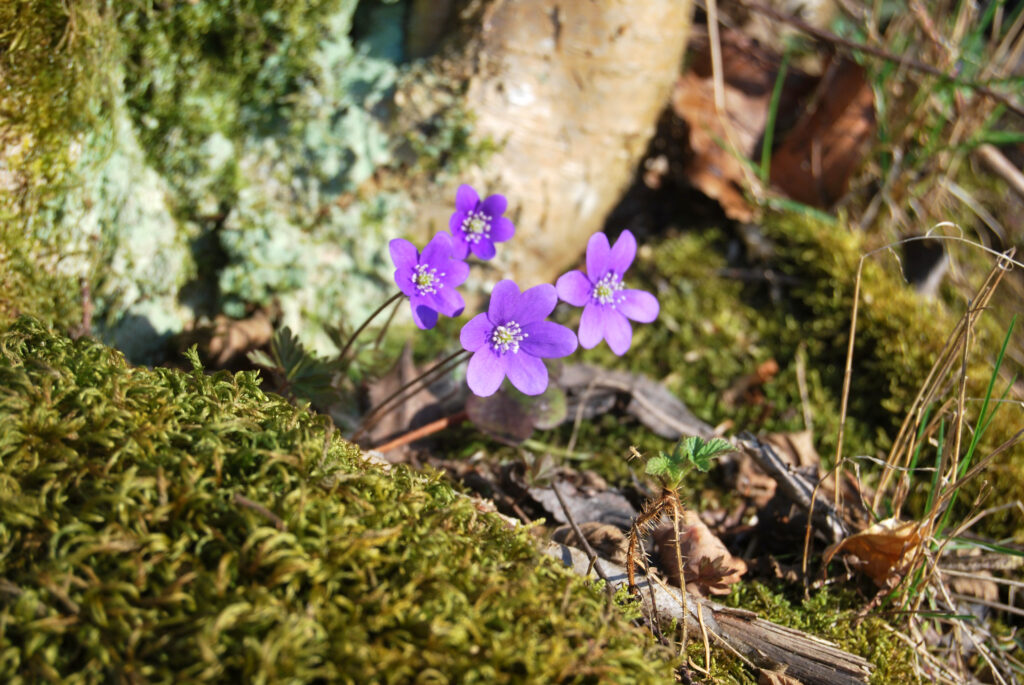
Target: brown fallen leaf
point(980, 586)
point(815, 161)
point(747, 389)
point(822, 126)
point(884, 550)
point(796, 449)
point(227, 339)
point(434, 402)
point(586, 503)
point(607, 540)
point(708, 566)
point(718, 165)
point(653, 405)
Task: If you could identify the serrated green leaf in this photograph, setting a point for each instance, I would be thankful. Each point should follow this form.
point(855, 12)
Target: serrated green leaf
point(261, 358)
point(701, 453)
point(308, 376)
point(659, 465)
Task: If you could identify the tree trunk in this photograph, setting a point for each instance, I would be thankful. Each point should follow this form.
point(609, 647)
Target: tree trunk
point(571, 92)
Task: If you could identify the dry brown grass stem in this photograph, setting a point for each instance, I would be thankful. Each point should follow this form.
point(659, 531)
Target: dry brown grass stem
point(934, 385)
point(904, 61)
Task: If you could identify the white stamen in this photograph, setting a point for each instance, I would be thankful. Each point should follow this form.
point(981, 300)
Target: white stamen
point(475, 226)
point(426, 282)
point(506, 338)
point(606, 290)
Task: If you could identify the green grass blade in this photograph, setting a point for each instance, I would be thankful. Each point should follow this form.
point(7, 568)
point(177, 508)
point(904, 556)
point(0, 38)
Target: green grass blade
point(773, 111)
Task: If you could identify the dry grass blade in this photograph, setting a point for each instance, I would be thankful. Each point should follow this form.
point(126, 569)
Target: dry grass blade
point(911, 566)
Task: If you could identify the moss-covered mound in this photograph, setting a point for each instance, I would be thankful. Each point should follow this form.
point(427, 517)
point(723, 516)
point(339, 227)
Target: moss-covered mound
point(160, 526)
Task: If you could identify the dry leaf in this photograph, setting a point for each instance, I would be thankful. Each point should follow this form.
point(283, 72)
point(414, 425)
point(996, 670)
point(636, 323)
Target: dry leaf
point(608, 541)
point(718, 167)
point(795, 449)
point(814, 163)
point(650, 401)
point(980, 586)
point(709, 568)
point(429, 404)
point(227, 339)
point(884, 550)
point(748, 388)
point(585, 504)
point(818, 146)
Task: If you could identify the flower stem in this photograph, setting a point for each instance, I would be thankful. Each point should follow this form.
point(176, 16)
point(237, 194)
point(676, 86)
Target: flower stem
point(387, 323)
point(348, 345)
point(377, 412)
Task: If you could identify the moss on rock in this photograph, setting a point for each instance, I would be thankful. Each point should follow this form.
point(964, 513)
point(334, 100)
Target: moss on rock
point(166, 526)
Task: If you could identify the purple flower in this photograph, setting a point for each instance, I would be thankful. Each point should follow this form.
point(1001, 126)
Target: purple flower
point(477, 225)
point(429, 278)
point(512, 337)
point(607, 304)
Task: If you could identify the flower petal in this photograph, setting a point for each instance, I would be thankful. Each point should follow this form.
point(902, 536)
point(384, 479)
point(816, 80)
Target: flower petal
point(598, 253)
point(466, 199)
point(483, 249)
point(503, 302)
point(485, 372)
point(575, 288)
point(403, 279)
point(456, 272)
point(422, 314)
point(528, 374)
point(502, 229)
point(535, 304)
point(494, 206)
point(476, 333)
point(638, 305)
point(623, 252)
point(438, 251)
point(455, 223)
point(617, 331)
point(548, 339)
point(591, 326)
point(460, 248)
point(403, 254)
point(448, 301)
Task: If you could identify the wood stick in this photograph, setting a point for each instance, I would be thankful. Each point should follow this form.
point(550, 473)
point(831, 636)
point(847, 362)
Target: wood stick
point(794, 486)
point(809, 659)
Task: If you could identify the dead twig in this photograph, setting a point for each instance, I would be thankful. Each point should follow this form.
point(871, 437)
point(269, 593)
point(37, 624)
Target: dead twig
point(423, 431)
point(244, 501)
point(794, 486)
point(582, 539)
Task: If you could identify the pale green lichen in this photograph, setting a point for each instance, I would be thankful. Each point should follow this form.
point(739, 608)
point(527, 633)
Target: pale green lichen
point(220, 151)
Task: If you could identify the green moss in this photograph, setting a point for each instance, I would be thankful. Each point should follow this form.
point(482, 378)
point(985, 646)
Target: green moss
point(713, 331)
point(170, 526)
point(32, 282)
point(831, 613)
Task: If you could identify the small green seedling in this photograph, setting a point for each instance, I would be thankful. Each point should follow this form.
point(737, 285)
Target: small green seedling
point(670, 470)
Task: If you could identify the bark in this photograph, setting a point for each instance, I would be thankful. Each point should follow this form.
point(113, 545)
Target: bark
point(809, 659)
point(571, 92)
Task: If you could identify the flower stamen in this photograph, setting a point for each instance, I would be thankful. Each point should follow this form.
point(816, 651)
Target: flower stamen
point(427, 282)
point(506, 338)
point(606, 290)
point(476, 226)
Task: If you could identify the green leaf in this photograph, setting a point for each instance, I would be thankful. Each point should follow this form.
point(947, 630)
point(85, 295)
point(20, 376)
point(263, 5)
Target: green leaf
point(306, 375)
point(701, 453)
point(659, 465)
